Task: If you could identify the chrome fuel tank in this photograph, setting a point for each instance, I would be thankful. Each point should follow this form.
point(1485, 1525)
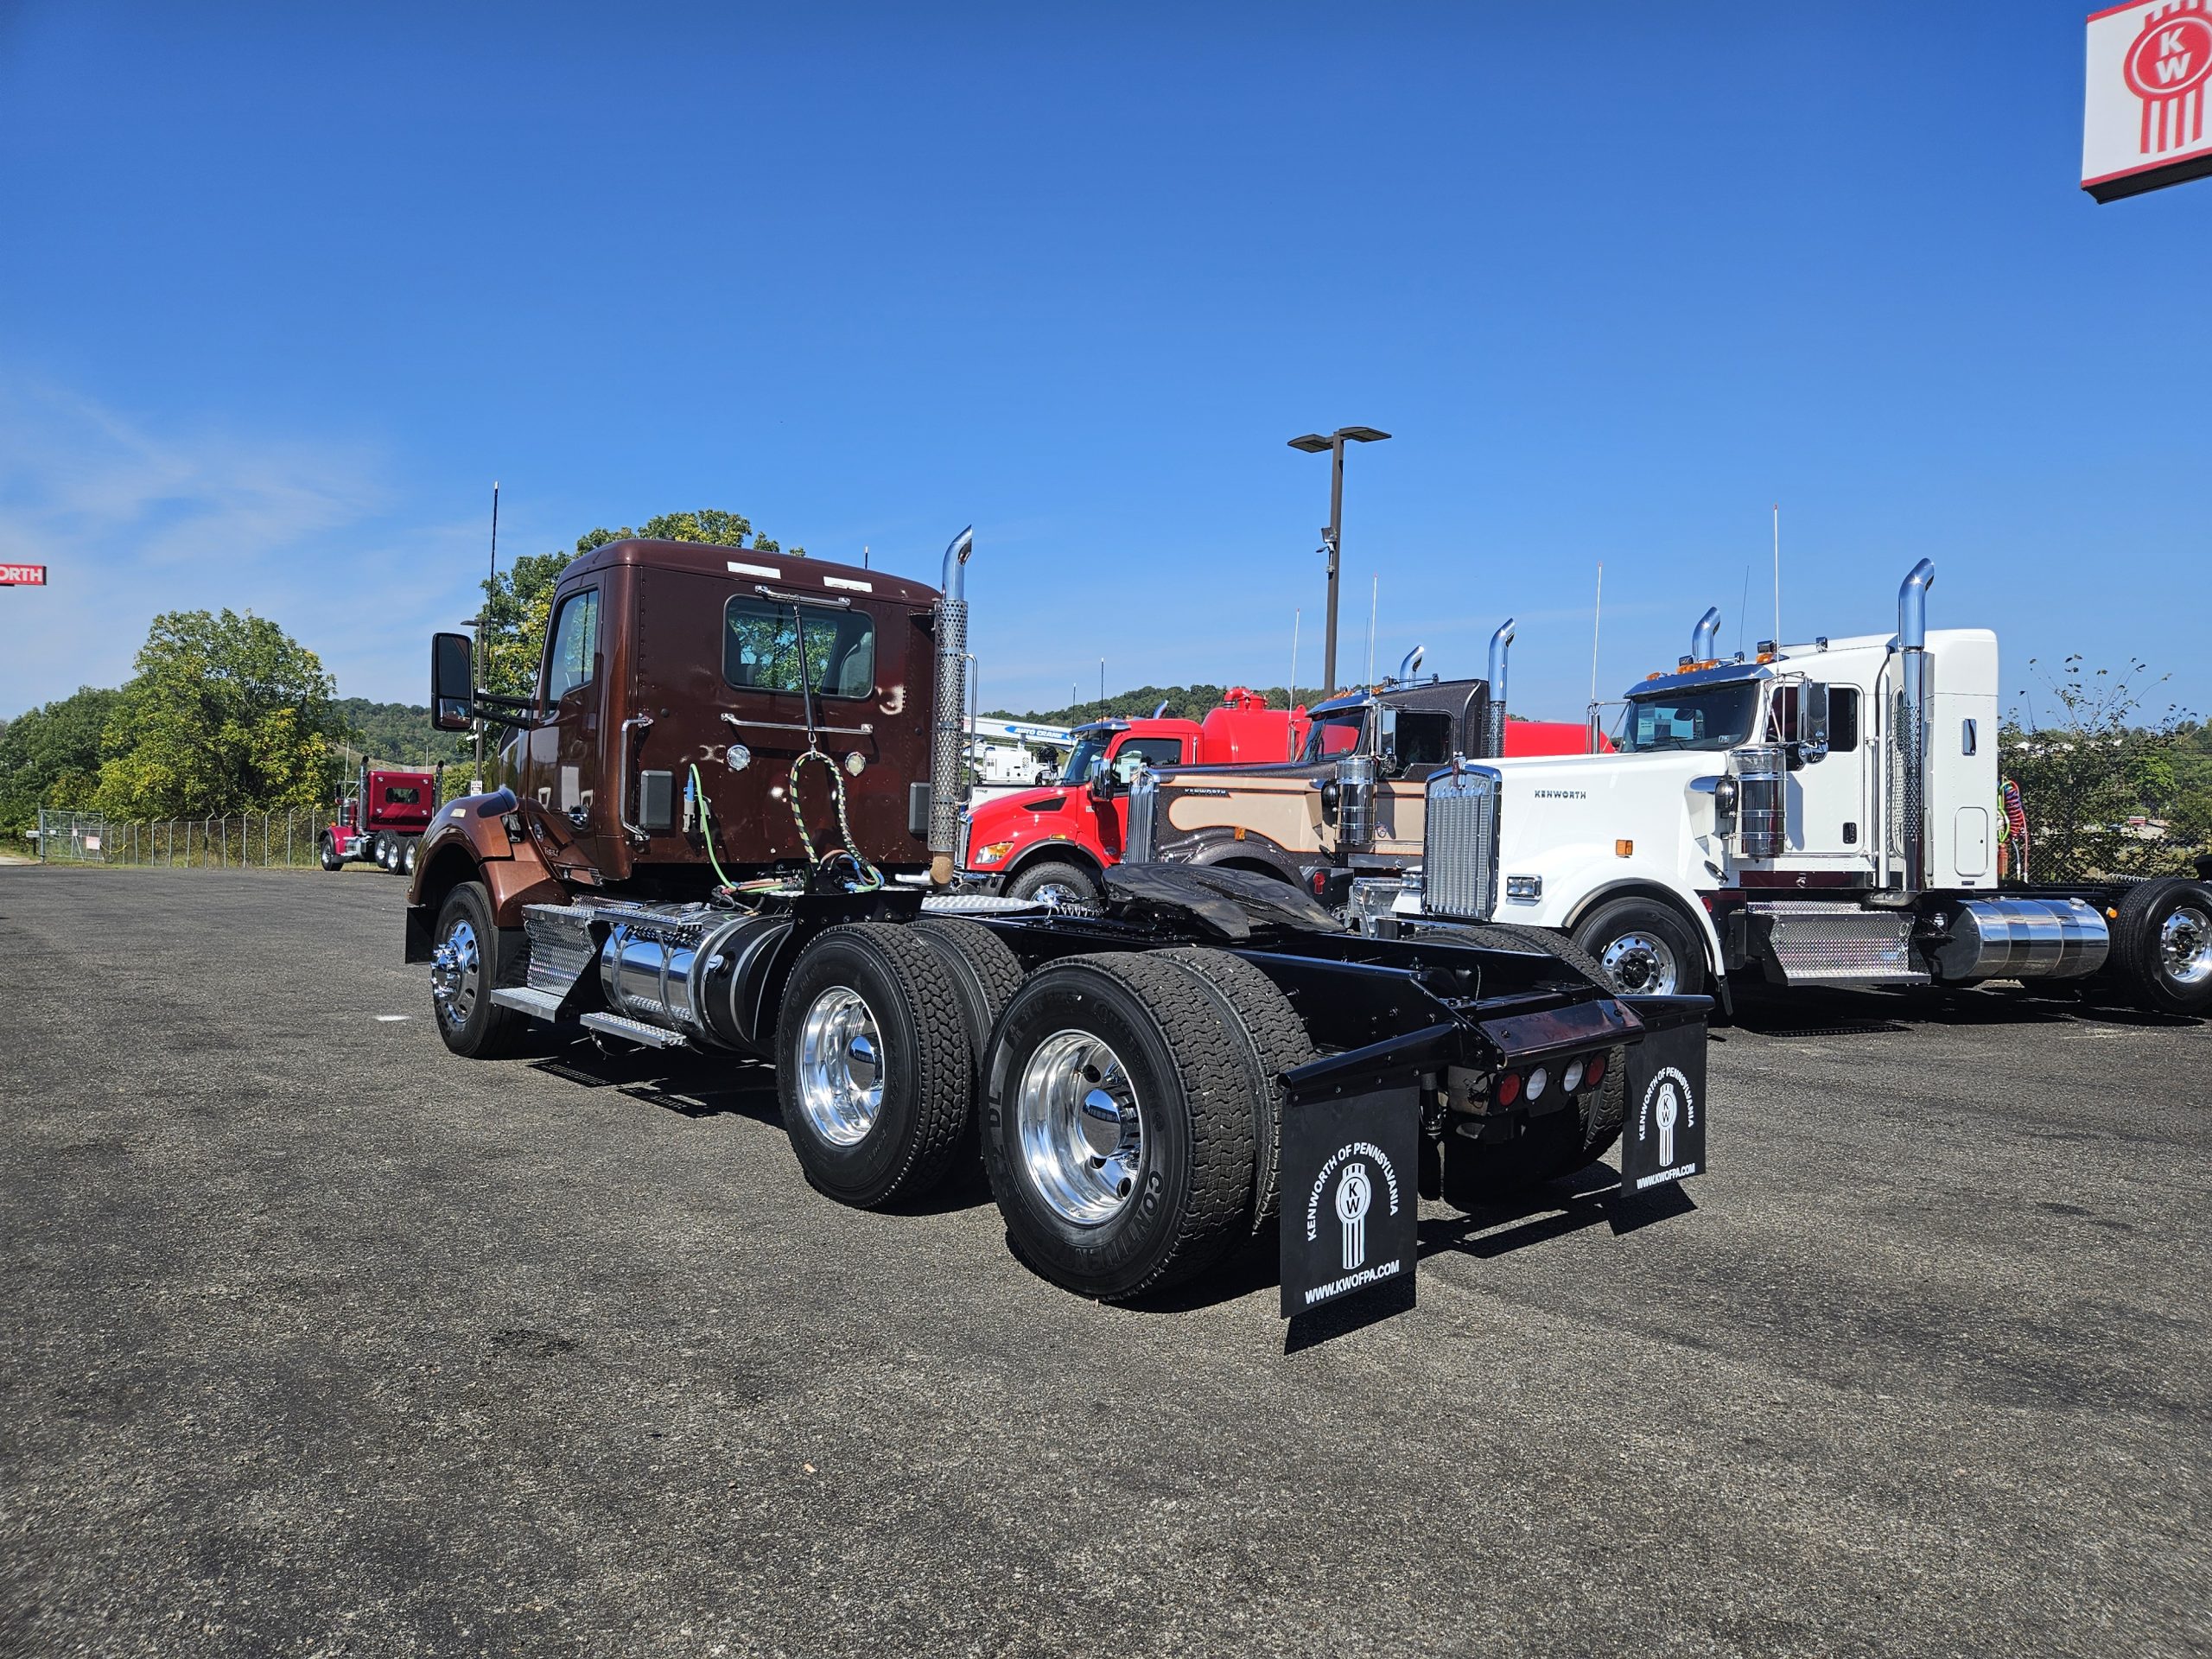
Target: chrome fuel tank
point(2018, 938)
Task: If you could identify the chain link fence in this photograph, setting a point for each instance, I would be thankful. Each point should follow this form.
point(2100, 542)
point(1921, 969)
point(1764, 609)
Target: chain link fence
point(248, 841)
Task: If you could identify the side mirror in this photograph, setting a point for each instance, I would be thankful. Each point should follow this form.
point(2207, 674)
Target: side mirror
point(1812, 721)
point(1386, 738)
point(453, 687)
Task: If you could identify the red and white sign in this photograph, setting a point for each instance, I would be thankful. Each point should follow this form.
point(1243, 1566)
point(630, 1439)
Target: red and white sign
point(22, 576)
point(2143, 121)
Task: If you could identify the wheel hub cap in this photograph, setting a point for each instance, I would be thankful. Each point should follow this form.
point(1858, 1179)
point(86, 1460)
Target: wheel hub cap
point(455, 971)
point(1082, 1132)
point(841, 1066)
point(2185, 945)
point(1641, 964)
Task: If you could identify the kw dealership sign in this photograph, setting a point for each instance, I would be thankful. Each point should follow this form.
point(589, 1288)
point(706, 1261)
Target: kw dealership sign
point(2143, 122)
point(22, 576)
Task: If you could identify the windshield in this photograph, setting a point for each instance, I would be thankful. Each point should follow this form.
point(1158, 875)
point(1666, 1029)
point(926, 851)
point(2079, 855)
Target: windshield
point(1333, 735)
point(1084, 760)
point(1710, 717)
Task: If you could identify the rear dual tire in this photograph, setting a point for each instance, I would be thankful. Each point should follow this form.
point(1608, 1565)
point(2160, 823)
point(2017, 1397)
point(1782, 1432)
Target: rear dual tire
point(1119, 1122)
point(2162, 944)
point(874, 1063)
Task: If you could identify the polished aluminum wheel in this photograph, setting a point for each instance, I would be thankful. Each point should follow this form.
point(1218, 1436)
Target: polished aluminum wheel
point(456, 974)
point(840, 1067)
point(1081, 1132)
point(1641, 964)
point(2185, 945)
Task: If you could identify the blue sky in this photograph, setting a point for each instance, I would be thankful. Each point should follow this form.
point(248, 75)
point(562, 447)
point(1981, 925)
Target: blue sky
point(284, 290)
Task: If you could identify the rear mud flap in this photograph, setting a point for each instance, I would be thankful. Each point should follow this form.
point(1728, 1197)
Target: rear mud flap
point(1662, 1136)
point(1349, 1202)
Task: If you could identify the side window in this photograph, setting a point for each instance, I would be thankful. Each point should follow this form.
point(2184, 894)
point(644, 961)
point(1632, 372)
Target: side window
point(1424, 738)
point(760, 648)
point(1153, 751)
point(575, 644)
point(1843, 719)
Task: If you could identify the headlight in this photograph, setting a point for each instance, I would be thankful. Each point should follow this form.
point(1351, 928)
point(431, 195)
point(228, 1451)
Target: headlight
point(993, 852)
point(1571, 1079)
point(1537, 1080)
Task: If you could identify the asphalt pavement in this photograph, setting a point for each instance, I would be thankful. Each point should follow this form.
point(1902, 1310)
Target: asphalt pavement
point(319, 1340)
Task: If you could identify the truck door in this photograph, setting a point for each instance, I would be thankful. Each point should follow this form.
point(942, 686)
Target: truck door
point(1827, 813)
point(561, 769)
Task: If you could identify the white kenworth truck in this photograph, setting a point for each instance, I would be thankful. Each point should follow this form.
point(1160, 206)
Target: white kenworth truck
point(1823, 813)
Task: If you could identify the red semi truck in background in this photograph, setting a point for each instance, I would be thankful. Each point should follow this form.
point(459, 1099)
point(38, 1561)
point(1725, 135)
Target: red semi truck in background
point(381, 817)
point(1051, 843)
point(1057, 838)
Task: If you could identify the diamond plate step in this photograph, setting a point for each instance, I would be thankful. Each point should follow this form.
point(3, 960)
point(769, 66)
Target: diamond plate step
point(634, 1031)
point(539, 1005)
point(1816, 944)
point(976, 904)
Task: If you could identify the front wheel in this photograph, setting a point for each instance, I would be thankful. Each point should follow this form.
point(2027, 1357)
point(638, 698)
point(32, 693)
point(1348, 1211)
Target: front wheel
point(471, 955)
point(329, 854)
point(1644, 948)
point(874, 1067)
point(1059, 884)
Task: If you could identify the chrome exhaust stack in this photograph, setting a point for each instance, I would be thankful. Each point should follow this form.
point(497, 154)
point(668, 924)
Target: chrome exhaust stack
point(1915, 697)
point(1705, 638)
point(947, 739)
point(1494, 716)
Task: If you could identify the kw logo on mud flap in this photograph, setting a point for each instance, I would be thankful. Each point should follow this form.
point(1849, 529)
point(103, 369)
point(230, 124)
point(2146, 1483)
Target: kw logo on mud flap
point(1667, 1102)
point(1355, 1192)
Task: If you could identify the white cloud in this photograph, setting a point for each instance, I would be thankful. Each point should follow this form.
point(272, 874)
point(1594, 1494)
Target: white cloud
point(132, 519)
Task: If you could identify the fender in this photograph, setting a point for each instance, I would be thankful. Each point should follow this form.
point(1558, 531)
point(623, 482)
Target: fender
point(1648, 885)
point(1063, 849)
point(468, 841)
point(1216, 846)
point(1575, 884)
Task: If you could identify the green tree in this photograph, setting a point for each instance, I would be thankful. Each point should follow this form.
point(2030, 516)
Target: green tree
point(51, 757)
point(2097, 780)
point(228, 714)
point(397, 732)
point(518, 602)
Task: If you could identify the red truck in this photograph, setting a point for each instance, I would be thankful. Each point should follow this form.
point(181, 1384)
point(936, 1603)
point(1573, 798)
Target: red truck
point(381, 817)
point(1051, 843)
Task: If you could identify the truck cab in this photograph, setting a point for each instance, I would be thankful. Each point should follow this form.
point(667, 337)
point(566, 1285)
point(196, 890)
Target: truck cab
point(379, 814)
point(700, 714)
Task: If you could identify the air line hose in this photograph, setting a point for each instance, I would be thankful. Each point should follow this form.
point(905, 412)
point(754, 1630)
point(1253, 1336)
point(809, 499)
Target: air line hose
point(706, 825)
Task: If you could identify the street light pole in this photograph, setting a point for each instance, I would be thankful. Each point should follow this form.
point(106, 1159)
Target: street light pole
point(1332, 537)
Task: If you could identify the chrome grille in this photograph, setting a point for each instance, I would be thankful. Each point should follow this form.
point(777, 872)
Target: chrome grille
point(1460, 844)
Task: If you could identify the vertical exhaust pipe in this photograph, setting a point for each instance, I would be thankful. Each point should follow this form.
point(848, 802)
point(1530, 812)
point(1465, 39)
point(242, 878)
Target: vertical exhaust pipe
point(1706, 637)
point(1914, 699)
point(1494, 716)
point(946, 738)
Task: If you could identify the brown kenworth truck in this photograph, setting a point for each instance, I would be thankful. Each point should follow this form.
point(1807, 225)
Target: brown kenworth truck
point(725, 821)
